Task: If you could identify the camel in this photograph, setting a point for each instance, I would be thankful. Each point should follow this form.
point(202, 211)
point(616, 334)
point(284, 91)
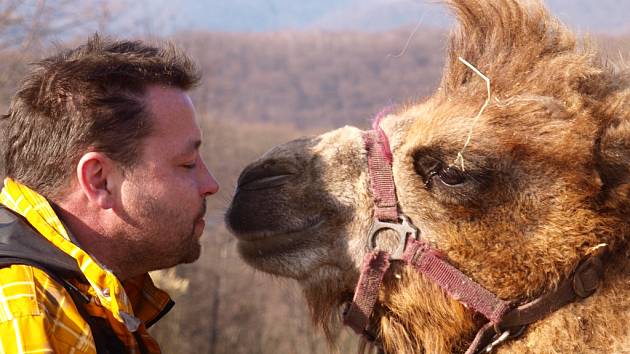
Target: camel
point(514, 173)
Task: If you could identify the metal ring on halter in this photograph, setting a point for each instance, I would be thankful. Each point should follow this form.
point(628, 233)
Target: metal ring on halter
point(404, 228)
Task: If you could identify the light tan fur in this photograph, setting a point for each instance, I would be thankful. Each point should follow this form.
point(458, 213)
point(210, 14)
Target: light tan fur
point(548, 172)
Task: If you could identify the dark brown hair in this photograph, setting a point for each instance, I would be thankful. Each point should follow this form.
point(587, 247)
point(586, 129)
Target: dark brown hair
point(90, 97)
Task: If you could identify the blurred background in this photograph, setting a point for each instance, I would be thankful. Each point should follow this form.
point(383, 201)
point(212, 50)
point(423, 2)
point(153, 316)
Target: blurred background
point(273, 70)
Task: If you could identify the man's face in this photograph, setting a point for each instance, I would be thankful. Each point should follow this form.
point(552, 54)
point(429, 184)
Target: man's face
point(163, 195)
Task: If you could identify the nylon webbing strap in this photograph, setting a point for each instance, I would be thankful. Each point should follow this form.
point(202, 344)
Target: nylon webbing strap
point(463, 289)
point(357, 316)
point(583, 282)
point(381, 177)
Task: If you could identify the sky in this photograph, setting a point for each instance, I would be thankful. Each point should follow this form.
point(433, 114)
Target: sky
point(370, 15)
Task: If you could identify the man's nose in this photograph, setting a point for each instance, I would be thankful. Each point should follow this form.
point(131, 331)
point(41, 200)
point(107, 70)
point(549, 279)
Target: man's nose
point(209, 184)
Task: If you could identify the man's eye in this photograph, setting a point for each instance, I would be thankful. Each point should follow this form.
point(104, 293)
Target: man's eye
point(190, 166)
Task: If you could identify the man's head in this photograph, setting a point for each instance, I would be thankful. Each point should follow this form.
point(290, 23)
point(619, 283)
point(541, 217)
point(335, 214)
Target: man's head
point(108, 133)
point(87, 98)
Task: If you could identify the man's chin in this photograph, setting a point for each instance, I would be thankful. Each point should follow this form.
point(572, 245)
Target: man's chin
point(193, 253)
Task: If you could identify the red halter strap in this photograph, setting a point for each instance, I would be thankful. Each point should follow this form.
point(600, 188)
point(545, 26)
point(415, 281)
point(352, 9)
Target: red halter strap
point(505, 322)
point(380, 170)
point(376, 263)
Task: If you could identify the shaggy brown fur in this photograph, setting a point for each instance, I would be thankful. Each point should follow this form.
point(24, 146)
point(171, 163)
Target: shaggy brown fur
point(546, 180)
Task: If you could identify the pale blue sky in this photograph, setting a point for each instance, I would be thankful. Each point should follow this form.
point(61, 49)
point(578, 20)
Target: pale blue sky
point(264, 15)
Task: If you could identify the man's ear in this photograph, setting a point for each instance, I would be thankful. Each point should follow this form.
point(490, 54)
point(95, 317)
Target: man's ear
point(96, 174)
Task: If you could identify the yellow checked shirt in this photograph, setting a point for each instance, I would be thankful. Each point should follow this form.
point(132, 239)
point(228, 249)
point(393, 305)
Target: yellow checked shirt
point(38, 315)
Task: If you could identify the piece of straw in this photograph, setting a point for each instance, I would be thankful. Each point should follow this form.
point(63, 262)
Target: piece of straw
point(460, 155)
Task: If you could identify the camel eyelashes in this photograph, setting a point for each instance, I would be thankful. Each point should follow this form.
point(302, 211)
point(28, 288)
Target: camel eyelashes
point(430, 167)
point(451, 176)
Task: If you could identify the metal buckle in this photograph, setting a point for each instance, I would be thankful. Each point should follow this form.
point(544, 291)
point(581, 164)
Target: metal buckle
point(404, 228)
point(500, 338)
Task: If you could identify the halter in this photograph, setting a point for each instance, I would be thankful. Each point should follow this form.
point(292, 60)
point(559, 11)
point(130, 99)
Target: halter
point(506, 319)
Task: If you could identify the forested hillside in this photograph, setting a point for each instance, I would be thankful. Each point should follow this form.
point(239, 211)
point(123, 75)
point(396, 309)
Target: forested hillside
point(313, 79)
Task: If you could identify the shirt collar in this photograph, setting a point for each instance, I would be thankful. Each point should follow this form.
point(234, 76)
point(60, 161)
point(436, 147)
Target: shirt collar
point(110, 291)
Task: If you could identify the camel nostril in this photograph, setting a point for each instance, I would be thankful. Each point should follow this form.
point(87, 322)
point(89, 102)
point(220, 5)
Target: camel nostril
point(267, 175)
point(266, 182)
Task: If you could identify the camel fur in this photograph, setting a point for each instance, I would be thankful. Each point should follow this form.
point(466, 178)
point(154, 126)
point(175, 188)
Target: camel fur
point(546, 181)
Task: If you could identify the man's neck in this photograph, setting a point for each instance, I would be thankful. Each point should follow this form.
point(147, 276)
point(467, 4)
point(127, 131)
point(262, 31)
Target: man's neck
point(88, 235)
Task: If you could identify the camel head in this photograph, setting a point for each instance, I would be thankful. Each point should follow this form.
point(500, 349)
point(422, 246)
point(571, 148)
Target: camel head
point(542, 180)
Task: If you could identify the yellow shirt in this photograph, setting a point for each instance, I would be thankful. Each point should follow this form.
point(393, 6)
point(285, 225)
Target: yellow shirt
point(38, 315)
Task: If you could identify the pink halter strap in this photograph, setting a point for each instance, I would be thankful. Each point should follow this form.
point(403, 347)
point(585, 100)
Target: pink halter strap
point(381, 178)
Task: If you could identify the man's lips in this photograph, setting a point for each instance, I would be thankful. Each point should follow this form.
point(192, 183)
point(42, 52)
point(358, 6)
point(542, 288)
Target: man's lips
point(202, 213)
point(200, 222)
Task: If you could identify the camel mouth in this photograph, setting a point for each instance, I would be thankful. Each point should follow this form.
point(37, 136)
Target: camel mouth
point(267, 235)
point(266, 244)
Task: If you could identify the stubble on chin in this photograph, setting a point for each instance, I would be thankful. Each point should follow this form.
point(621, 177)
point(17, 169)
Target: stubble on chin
point(193, 251)
point(193, 254)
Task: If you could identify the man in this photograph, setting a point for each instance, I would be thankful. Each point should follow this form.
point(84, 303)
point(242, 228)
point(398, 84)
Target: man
point(105, 183)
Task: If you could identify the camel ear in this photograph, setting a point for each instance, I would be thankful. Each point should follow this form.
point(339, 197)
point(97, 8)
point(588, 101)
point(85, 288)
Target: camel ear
point(612, 159)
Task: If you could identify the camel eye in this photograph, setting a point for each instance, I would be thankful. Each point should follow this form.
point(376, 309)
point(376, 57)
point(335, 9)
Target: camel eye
point(451, 185)
point(451, 176)
point(432, 169)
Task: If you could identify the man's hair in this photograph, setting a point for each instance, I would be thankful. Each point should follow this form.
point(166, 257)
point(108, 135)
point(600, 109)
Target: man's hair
point(87, 99)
